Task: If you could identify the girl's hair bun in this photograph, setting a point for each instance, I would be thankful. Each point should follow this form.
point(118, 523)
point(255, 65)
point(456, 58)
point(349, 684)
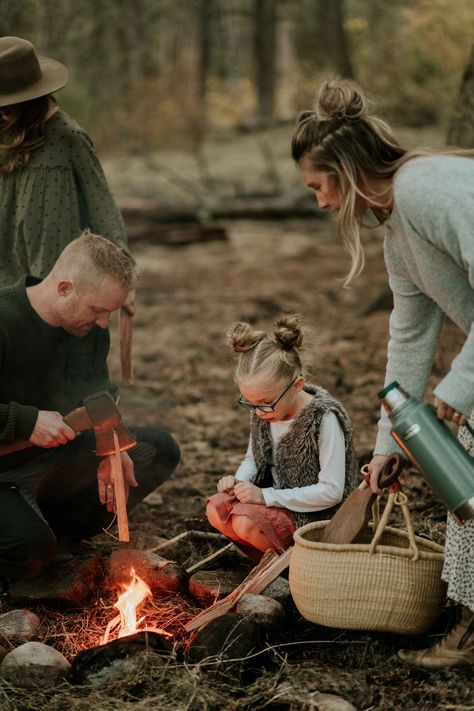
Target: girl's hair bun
point(242, 337)
point(340, 99)
point(288, 333)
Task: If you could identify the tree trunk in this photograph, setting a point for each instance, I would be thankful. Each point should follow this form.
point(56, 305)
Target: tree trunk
point(461, 130)
point(332, 40)
point(265, 58)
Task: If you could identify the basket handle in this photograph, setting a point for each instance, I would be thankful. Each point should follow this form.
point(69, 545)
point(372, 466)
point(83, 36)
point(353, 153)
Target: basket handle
point(397, 498)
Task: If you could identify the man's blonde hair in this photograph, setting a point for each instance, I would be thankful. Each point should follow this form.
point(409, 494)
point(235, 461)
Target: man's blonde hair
point(90, 257)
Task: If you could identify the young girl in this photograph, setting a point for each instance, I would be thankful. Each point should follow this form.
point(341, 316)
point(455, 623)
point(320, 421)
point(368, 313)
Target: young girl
point(300, 461)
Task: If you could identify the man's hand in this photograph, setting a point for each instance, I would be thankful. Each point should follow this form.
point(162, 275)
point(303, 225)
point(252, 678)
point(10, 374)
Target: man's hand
point(226, 484)
point(248, 493)
point(104, 477)
point(446, 412)
point(51, 430)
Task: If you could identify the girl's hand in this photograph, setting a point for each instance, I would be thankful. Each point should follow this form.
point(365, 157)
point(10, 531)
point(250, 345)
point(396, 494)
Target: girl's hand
point(446, 412)
point(226, 484)
point(248, 493)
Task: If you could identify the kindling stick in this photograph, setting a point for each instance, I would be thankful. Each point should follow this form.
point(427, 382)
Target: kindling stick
point(120, 499)
point(213, 556)
point(125, 327)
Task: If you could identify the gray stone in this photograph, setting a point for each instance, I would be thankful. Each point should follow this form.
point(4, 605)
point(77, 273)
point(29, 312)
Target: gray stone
point(210, 585)
point(160, 574)
point(279, 590)
point(34, 664)
point(267, 612)
point(230, 638)
point(66, 584)
point(311, 700)
point(19, 624)
point(154, 499)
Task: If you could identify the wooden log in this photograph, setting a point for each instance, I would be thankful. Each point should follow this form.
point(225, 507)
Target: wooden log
point(137, 211)
point(120, 499)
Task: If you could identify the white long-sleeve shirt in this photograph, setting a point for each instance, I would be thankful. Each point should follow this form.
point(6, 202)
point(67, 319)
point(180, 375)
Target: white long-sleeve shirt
point(332, 459)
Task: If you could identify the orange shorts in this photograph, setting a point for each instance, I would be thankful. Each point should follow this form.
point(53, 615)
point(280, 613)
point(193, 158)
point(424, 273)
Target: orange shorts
point(276, 523)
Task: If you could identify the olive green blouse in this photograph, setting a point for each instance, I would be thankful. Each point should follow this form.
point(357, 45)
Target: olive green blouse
point(47, 203)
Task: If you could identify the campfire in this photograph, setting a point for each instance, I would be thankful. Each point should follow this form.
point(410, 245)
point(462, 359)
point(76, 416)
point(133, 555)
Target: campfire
point(129, 603)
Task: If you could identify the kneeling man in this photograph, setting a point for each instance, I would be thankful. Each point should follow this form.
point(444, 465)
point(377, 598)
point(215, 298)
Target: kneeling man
point(54, 343)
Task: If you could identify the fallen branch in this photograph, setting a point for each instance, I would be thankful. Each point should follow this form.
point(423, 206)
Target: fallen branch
point(257, 580)
point(201, 563)
point(198, 535)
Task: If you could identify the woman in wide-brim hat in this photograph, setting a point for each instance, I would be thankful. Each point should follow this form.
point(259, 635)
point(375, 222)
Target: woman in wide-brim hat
point(52, 185)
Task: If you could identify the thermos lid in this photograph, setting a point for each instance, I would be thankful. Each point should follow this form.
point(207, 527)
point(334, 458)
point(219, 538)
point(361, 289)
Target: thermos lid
point(387, 389)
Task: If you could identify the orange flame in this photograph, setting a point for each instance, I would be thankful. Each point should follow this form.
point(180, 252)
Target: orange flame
point(128, 603)
point(132, 596)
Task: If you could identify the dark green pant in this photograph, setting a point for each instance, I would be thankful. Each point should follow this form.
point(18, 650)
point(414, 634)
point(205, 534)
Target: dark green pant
point(55, 496)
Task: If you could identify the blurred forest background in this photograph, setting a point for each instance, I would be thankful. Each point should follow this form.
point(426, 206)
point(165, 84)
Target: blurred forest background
point(154, 74)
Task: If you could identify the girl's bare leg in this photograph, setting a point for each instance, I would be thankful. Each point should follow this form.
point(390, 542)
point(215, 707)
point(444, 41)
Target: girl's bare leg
point(247, 531)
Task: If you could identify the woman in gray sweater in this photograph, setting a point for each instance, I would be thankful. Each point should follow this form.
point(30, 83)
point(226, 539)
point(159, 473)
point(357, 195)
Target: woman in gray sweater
point(352, 161)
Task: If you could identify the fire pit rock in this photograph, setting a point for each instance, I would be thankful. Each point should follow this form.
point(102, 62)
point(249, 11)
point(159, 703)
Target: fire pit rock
point(19, 625)
point(209, 585)
point(279, 590)
point(34, 664)
point(265, 611)
point(161, 575)
point(126, 656)
point(61, 584)
point(229, 638)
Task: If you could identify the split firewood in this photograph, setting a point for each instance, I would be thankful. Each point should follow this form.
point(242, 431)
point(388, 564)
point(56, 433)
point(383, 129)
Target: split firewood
point(257, 580)
point(120, 499)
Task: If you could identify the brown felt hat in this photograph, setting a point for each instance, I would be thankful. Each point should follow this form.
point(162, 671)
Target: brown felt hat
point(24, 75)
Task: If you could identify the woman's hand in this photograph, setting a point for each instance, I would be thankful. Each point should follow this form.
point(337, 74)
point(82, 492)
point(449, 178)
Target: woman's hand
point(248, 493)
point(375, 467)
point(226, 484)
point(446, 412)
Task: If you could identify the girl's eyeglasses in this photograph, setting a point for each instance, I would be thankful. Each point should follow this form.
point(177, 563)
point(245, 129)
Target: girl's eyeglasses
point(263, 407)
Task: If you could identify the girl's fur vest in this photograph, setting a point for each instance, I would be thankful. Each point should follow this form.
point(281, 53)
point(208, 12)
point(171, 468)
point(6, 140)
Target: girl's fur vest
point(296, 461)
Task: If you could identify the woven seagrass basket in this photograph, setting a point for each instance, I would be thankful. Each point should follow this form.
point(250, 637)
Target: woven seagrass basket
point(390, 582)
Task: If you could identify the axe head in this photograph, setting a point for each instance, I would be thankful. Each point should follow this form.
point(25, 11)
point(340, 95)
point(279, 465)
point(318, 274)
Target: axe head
point(106, 419)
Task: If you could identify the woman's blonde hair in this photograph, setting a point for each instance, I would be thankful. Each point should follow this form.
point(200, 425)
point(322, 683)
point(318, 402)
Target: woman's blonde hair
point(341, 137)
point(270, 357)
point(25, 128)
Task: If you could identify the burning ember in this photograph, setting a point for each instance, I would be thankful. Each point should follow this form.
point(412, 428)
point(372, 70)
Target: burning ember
point(133, 595)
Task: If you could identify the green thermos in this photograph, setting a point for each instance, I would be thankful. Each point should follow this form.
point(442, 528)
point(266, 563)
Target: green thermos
point(433, 449)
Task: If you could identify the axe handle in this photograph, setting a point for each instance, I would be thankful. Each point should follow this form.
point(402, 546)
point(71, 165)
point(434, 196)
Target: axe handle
point(119, 491)
point(126, 329)
point(75, 419)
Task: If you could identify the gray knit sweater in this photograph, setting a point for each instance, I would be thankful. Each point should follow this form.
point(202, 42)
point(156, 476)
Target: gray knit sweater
point(429, 253)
